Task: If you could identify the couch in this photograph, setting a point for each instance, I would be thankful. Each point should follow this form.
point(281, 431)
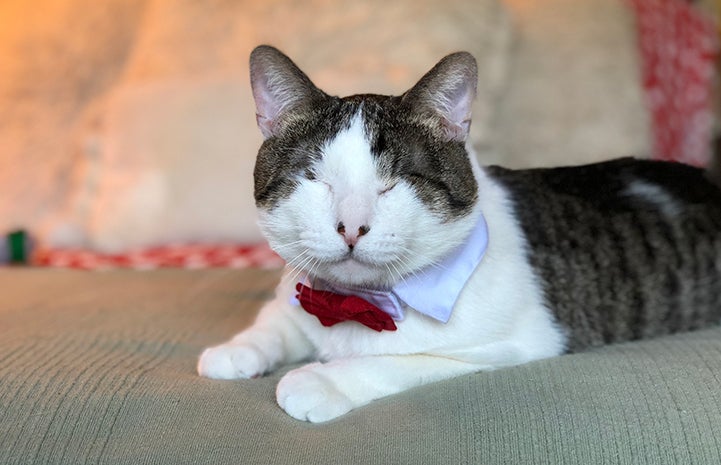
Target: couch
point(100, 368)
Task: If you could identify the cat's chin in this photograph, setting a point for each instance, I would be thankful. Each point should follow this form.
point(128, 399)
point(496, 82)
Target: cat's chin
point(353, 272)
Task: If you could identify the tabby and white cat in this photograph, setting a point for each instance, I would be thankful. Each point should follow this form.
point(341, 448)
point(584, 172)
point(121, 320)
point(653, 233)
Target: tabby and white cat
point(475, 268)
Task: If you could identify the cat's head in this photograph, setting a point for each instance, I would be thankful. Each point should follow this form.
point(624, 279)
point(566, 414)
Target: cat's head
point(367, 189)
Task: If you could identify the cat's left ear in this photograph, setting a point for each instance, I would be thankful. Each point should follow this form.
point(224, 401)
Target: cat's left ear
point(444, 96)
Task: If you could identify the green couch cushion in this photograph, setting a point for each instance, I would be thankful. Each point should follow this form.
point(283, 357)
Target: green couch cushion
point(99, 368)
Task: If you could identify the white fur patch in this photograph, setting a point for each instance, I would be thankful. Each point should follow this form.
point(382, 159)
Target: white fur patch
point(349, 169)
point(656, 196)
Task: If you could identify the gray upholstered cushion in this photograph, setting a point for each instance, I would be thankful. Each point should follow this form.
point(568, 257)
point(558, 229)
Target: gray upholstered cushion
point(100, 368)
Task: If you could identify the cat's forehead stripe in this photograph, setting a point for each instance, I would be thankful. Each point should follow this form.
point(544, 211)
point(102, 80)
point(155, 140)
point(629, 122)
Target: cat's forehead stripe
point(353, 137)
point(347, 161)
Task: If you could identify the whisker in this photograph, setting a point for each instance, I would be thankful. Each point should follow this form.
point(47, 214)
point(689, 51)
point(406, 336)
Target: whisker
point(300, 268)
point(314, 266)
point(296, 265)
point(436, 263)
point(392, 268)
point(404, 260)
point(287, 244)
point(297, 259)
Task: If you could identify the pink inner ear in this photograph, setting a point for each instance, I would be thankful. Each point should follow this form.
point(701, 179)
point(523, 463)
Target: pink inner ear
point(266, 108)
point(455, 131)
point(265, 125)
point(457, 118)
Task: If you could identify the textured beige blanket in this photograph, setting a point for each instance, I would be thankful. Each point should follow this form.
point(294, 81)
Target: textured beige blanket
point(99, 368)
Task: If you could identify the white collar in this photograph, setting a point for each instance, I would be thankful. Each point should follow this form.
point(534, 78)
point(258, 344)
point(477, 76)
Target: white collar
point(432, 291)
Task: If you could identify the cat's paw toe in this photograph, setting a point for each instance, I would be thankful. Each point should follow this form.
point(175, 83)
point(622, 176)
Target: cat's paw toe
point(306, 395)
point(230, 361)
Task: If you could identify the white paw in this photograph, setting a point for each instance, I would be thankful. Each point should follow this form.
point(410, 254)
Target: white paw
point(306, 395)
point(232, 361)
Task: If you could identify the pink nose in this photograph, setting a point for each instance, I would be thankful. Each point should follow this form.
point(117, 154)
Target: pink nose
point(350, 238)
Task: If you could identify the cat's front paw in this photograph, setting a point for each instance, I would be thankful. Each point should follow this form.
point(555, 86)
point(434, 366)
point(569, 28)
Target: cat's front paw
point(306, 395)
point(232, 361)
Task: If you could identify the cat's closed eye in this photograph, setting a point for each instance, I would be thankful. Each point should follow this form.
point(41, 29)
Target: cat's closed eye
point(327, 186)
point(386, 189)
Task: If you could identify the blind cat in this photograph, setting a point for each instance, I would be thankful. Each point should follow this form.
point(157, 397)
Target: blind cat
point(409, 263)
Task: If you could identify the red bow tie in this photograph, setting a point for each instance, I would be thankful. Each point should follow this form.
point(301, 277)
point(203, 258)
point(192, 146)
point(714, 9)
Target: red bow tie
point(331, 308)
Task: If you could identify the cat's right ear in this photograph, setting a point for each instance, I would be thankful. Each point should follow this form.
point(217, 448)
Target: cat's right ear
point(279, 87)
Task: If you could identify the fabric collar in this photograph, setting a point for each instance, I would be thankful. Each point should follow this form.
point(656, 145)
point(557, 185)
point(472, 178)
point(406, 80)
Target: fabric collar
point(432, 291)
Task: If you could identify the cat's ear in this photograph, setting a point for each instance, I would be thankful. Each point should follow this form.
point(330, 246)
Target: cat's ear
point(279, 87)
point(444, 96)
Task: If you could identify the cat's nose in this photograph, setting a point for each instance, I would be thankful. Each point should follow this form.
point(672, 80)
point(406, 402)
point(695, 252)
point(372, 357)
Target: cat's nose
point(351, 238)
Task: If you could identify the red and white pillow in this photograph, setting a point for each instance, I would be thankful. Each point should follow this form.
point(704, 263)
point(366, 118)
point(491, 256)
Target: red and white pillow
point(678, 47)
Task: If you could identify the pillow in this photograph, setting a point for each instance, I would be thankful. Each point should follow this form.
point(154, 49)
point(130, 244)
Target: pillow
point(575, 91)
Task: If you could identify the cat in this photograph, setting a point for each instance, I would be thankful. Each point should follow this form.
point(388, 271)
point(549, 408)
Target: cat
point(453, 268)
